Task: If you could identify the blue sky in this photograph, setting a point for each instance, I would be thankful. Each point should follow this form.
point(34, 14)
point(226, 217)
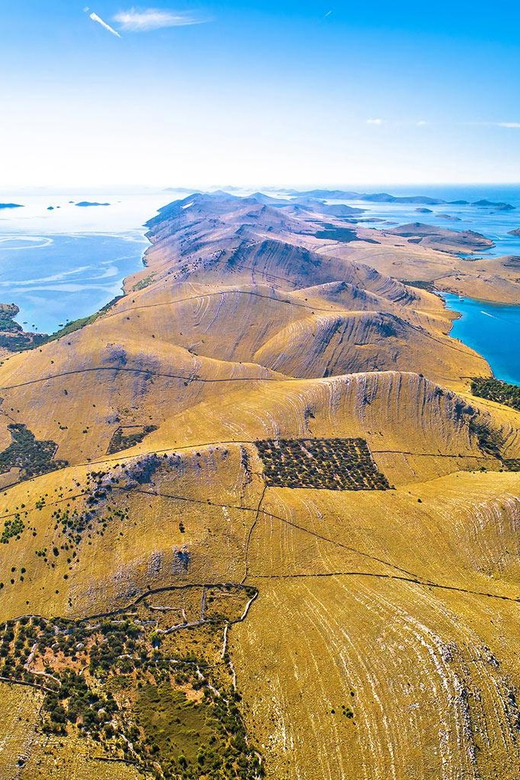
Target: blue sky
point(257, 93)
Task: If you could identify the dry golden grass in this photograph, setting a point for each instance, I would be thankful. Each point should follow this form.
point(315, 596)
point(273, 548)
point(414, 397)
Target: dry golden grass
point(383, 640)
point(62, 759)
point(20, 706)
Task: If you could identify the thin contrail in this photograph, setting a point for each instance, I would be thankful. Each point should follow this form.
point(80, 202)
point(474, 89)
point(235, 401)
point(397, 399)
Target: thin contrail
point(99, 20)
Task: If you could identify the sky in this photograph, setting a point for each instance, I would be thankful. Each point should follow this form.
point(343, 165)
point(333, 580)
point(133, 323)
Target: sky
point(258, 93)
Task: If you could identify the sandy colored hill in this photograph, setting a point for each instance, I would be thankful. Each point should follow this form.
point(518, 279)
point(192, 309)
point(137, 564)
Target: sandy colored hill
point(442, 238)
point(254, 522)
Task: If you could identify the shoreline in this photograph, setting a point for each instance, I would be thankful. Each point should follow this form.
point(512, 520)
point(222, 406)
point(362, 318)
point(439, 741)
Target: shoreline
point(117, 288)
point(490, 357)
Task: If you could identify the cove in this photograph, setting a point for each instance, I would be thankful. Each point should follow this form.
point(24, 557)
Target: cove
point(492, 330)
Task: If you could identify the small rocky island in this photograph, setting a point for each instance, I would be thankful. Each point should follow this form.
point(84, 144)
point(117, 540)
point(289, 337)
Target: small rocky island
point(491, 204)
point(86, 204)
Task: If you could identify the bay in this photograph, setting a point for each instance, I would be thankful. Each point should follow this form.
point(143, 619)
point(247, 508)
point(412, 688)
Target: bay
point(493, 330)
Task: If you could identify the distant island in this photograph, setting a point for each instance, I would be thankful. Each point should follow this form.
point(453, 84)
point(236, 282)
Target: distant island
point(11, 206)
point(85, 204)
point(183, 190)
point(490, 204)
point(385, 197)
point(441, 238)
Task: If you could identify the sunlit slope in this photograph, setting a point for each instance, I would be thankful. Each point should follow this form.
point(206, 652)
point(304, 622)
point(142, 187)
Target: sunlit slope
point(360, 341)
point(254, 309)
point(415, 429)
point(79, 397)
point(197, 482)
point(387, 679)
point(373, 594)
point(407, 679)
point(489, 279)
point(381, 629)
point(93, 539)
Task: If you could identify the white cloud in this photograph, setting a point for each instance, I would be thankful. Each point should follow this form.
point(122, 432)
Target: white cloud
point(378, 122)
point(99, 20)
point(508, 125)
point(136, 20)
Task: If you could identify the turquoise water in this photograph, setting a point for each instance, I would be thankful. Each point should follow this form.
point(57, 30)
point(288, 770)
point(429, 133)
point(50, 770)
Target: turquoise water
point(57, 278)
point(62, 263)
point(493, 330)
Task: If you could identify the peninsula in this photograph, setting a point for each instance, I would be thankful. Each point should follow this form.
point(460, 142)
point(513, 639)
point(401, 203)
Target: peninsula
point(260, 515)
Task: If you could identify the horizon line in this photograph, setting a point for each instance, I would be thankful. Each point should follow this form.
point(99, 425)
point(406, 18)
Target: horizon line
point(114, 186)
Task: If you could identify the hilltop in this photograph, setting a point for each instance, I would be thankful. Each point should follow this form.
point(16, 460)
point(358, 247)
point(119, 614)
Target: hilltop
point(256, 523)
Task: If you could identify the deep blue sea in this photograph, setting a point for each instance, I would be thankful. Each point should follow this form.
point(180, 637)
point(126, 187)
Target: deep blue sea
point(59, 261)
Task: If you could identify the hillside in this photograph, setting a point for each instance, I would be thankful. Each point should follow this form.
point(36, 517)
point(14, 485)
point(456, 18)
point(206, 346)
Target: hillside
point(256, 524)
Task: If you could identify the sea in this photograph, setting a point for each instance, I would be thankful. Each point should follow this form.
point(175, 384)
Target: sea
point(493, 330)
point(60, 261)
point(491, 222)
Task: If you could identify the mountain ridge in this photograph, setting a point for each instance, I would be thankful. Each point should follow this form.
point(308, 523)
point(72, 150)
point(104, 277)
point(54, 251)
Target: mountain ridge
point(255, 521)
